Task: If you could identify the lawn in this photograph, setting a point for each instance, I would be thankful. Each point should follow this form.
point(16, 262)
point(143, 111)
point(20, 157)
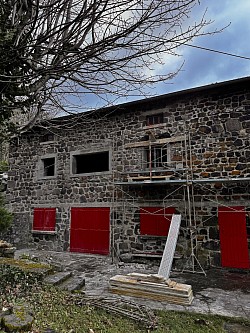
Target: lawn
point(63, 312)
point(56, 309)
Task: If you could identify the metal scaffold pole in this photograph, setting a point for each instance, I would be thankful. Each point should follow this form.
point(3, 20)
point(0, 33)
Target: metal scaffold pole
point(193, 260)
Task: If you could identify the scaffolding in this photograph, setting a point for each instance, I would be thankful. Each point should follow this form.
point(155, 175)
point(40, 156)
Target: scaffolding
point(165, 162)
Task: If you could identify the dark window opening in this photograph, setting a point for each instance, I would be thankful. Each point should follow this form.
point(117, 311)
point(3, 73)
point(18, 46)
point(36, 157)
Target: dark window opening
point(89, 163)
point(154, 119)
point(47, 137)
point(48, 166)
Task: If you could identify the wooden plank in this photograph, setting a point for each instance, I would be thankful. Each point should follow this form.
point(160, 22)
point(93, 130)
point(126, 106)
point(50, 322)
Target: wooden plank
point(147, 277)
point(157, 142)
point(156, 286)
point(170, 292)
point(153, 278)
point(169, 250)
point(180, 289)
point(136, 178)
point(153, 296)
point(151, 286)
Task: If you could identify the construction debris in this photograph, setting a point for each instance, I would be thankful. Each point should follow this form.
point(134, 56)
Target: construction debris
point(121, 307)
point(148, 286)
point(157, 286)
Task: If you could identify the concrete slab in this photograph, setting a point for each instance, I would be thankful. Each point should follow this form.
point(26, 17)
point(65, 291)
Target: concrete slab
point(57, 278)
point(223, 292)
point(76, 282)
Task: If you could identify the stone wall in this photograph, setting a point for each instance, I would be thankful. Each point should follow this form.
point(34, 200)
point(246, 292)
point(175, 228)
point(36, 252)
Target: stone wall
point(217, 129)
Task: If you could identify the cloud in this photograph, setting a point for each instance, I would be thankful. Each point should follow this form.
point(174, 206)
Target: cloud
point(204, 67)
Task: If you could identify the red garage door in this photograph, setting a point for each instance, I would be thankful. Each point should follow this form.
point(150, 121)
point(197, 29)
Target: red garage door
point(233, 237)
point(89, 230)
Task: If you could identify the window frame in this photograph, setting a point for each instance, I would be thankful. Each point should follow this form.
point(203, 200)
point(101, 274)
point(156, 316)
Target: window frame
point(154, 119)
point(41, 166)
point(88, 152)
point(47, 138)
point(156, 157)
point(163, 156)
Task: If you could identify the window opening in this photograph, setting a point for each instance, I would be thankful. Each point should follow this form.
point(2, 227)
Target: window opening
point(90, 163)
point(47, 137)
point(157, 156)
point(48, 166)
point(154, 119)
point(163, 156)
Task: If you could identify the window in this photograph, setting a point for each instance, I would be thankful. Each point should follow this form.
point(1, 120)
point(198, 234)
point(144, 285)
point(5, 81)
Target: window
point(47, 137)
point(163, 156)
point(154, 119)
point(90, 162)
point(157, 157)
point(44, 219)
point(48, 166)
point(155, 221)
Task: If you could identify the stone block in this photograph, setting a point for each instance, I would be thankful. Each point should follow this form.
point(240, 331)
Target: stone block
point(123, 246)
point(235, 172)
point(233, 125)
point(211, 245)
point(214, 233)
point(215, 259)
point(19, 320)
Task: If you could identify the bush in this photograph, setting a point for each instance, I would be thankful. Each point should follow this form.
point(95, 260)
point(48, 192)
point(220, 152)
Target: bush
point(5, 217)
point(3, 166)
point(15, 282)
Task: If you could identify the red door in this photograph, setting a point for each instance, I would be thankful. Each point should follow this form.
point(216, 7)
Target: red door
point(90, 230)
point(233, 237)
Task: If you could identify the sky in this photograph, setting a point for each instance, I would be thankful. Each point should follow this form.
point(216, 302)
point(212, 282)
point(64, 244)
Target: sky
point(204, 67)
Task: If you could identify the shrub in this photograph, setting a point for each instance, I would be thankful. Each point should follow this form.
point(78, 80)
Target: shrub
point(5, 217)
point(15, 282)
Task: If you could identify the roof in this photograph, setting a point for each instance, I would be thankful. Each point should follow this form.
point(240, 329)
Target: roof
point(161, 101)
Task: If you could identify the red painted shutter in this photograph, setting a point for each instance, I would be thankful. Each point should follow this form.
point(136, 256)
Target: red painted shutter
point(155, 221)
point(90, 230)
point(233, 237)
point(44, 219)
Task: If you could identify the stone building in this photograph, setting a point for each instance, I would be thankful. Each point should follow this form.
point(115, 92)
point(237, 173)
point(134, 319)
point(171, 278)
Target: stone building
point(108, 181)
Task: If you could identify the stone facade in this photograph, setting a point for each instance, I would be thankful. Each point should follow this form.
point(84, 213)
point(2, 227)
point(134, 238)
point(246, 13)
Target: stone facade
point(204, 134)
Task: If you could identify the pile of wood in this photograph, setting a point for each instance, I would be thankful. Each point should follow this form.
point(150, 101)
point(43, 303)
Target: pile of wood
point(154, 287)
point(157, 286)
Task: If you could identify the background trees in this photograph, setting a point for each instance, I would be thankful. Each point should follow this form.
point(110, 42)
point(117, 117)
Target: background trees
point(52, 51)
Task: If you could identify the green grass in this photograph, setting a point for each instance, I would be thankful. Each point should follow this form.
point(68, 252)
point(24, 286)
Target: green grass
point(55, 309)
point(25, 265)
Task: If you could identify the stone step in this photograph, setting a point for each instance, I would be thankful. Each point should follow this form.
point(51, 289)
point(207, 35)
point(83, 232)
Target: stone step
point(57, 278)
point(75, 282)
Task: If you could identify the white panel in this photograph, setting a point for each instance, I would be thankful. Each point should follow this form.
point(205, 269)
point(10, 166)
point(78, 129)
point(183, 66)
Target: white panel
point(168, 254)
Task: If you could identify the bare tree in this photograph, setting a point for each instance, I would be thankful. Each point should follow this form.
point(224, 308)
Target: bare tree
point(52, 48)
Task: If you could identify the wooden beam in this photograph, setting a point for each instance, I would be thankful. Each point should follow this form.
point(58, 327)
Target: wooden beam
point(152, 287)
point(157, 142)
